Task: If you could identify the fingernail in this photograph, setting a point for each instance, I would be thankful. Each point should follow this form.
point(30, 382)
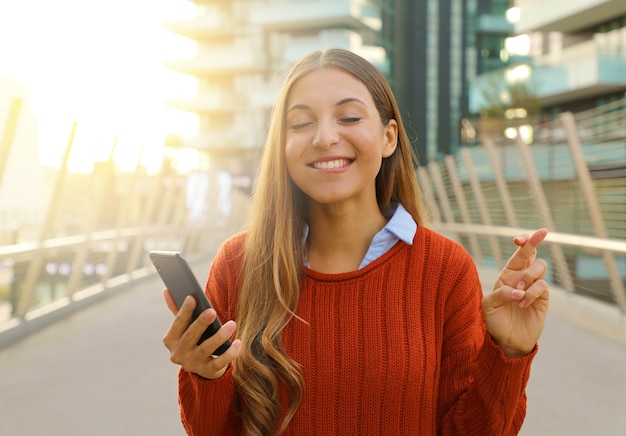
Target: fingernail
point(230, 326)
point(208, 314)
point(517, 293)
point(521, 285)
point(522, 304)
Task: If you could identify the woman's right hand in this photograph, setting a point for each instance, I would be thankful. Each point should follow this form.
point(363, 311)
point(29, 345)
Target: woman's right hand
point(182, 340)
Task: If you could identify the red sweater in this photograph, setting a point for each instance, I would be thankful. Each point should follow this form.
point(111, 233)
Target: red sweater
point(397, 348)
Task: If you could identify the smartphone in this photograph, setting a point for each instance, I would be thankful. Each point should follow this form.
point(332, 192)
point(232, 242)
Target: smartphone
point(181, 282)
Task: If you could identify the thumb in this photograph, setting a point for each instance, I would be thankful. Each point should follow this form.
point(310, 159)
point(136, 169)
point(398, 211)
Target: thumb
point(169, 300)
point(502, 296)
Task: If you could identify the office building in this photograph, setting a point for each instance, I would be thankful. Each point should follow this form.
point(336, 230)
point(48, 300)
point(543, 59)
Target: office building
point(436, 49)
point(430, 50)
point(576, 51)
point(243, 50)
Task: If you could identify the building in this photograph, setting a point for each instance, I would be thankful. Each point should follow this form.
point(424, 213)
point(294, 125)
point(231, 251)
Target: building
point(243, 48)
point(431, 51)
point(436, 50)
point(576, 56)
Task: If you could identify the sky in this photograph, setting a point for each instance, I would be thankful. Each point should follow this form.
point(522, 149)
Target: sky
point(99, 64)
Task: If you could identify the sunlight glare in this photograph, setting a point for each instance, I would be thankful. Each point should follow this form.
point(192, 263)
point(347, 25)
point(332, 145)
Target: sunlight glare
point(100, 65)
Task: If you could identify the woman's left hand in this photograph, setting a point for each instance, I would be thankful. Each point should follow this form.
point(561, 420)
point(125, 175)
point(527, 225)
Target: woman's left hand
point(515, 312)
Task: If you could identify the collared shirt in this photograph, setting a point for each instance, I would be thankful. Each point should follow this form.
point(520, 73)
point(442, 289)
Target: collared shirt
point(400, 227)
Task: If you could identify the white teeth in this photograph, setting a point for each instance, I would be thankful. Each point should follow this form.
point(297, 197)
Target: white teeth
point(331, 164)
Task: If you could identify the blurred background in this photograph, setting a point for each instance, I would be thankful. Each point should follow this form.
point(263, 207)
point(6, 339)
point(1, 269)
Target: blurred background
point(134, 125)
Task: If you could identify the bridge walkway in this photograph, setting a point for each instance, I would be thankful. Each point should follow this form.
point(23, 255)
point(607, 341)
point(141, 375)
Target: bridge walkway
point(104, 371)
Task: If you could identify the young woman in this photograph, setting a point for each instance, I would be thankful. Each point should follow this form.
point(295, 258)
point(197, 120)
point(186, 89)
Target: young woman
point(351, 316)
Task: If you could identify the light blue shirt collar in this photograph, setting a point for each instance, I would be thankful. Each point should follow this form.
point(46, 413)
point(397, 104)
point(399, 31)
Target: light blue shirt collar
point(401, 224)
point(400, 227)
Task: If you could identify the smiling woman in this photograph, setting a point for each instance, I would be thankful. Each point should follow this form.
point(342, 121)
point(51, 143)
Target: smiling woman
point(100, 65)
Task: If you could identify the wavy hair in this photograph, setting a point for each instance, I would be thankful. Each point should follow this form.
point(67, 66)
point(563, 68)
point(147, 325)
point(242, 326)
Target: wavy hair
point(274, 253)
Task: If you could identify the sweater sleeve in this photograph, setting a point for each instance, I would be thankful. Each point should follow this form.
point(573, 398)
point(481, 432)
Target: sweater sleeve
point(210, 406)
point(481, 391)
point(207, 406)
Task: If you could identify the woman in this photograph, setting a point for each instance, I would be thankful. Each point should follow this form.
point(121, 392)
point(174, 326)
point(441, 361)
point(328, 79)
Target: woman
point(351, 316)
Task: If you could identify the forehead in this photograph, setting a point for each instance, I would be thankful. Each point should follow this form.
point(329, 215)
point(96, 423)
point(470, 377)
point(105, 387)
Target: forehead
point(328, 84)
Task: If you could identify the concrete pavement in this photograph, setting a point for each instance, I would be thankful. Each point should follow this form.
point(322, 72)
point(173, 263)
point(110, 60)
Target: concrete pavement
point(104, 371)
point(577, 385)
point(578, 380)
point(101, 371)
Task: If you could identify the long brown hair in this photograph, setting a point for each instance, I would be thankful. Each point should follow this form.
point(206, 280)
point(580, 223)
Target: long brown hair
point(274, 252)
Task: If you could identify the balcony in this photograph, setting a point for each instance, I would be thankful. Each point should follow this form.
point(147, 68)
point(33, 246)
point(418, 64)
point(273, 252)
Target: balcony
point(314, 15)
point(566, 16)
point(205, 26)
point(584, 70)
point(222, 102)
point(591, 68)
point(493, 24)
point(222, 61)
point(293, 48)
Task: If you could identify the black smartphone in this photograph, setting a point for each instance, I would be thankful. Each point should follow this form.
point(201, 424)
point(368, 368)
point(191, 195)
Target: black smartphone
point(181, 282)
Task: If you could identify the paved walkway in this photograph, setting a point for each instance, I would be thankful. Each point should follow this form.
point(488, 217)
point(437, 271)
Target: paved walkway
point(104, 371)
point(577, 385)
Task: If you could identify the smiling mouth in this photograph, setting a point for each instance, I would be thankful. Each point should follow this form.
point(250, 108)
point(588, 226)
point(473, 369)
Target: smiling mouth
point(331, 164)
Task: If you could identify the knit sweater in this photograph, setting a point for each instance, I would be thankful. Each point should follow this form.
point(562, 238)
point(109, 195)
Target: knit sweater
point(399, 347)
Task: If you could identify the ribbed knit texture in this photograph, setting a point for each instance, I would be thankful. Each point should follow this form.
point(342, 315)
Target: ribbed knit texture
point(396, 348)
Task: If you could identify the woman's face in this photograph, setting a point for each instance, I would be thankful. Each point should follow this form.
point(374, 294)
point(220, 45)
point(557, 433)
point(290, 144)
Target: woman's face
point(334, 139)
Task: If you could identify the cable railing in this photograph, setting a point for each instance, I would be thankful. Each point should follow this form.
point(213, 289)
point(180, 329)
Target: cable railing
point(571, 178)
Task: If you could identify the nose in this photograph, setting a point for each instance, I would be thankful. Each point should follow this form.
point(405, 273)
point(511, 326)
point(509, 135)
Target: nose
point(326, 134)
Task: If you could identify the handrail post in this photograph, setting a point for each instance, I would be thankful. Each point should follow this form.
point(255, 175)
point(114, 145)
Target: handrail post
point(462, 204)
point(126, 205)
point(534, 183)
point(34, 267)
point(503, 189)
point(427, 191)
point(179, 221)
point(136, 251)
point(9, 134)
point(591, 201)
point(446, 209)
point(82, 254)
point(167, 210)
point(482, 205)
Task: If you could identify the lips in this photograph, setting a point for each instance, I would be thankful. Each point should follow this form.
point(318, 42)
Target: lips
point(333, 164)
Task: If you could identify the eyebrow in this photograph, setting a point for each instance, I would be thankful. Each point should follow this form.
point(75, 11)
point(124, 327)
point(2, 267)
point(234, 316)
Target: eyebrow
point(339, 103)
point(350, 100)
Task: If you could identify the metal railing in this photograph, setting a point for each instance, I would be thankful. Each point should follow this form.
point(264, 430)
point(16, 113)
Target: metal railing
point(569, 177)
point(97, 228)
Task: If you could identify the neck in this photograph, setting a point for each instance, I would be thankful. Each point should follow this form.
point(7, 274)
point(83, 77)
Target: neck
point(340, 235)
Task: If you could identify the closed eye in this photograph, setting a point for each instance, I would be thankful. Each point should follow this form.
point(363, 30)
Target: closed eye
point(299, 126)
point(350, 120)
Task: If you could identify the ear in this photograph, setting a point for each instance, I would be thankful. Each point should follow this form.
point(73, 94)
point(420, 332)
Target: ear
point(391, 138)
